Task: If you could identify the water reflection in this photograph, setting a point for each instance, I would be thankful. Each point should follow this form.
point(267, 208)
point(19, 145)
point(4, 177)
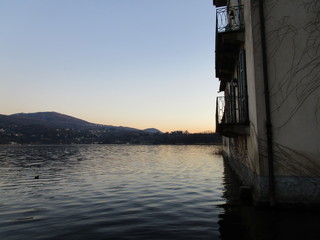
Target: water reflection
point(132, 192)
point(110, 192)
point(24, 168)
point(24, 157)
point(241, 221)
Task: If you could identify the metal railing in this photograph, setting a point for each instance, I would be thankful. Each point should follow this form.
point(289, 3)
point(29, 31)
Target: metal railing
point(232, 110)
point(229, 19)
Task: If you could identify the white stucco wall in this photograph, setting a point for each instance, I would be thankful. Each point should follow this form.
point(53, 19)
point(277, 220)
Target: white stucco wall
point(293, 65)
point(293, 49)
point(257, 113)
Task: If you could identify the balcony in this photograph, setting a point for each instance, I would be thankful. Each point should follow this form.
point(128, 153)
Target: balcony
point(232, 116)
point(229, 19)
point(229, 39)
point(220, 3)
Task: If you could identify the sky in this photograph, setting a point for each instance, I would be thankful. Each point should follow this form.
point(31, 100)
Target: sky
point(135, 63)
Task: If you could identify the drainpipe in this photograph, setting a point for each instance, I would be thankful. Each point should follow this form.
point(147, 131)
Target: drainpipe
point(267, 106)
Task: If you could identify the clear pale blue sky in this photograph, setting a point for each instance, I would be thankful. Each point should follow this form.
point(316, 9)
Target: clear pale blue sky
point(137, 63)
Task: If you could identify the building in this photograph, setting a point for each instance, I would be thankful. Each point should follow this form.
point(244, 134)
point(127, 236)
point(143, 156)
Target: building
point(268, 64)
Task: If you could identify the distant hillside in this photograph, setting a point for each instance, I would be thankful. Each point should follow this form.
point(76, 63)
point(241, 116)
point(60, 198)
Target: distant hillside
point(152, 130)
point(57, 128)
point(58, 120)
point(50, 119)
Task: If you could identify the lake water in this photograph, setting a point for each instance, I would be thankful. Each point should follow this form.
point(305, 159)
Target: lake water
point(133, 192)
point(110, 192)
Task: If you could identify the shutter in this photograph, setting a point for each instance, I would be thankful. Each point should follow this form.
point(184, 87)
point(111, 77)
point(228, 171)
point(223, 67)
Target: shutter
point(243, 95)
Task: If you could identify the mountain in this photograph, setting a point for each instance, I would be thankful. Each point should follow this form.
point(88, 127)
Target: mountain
point(58, 120)
point(50, 119)
point(57, 128)
point(152, 130)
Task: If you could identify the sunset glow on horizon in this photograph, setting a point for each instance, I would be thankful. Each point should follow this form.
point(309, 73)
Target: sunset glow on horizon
point(135, 63)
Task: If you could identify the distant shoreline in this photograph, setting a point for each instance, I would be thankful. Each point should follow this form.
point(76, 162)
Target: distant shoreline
point(95, 144)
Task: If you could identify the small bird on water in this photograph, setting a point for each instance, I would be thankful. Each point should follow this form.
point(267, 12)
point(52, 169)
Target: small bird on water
point(36, 177)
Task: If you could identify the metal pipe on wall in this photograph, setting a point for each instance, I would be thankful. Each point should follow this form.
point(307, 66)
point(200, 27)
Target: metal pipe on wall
point(272, 199)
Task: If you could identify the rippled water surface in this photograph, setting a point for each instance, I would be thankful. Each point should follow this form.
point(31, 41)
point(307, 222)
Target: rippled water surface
point(110, 192)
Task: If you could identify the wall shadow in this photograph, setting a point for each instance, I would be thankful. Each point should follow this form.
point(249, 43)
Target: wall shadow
point(245, 221)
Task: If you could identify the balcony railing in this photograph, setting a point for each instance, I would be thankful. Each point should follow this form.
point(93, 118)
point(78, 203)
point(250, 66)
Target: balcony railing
point(231, 111)
point(229, 19)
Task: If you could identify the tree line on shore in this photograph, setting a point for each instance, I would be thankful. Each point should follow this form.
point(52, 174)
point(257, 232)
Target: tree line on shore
point(37, 134)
